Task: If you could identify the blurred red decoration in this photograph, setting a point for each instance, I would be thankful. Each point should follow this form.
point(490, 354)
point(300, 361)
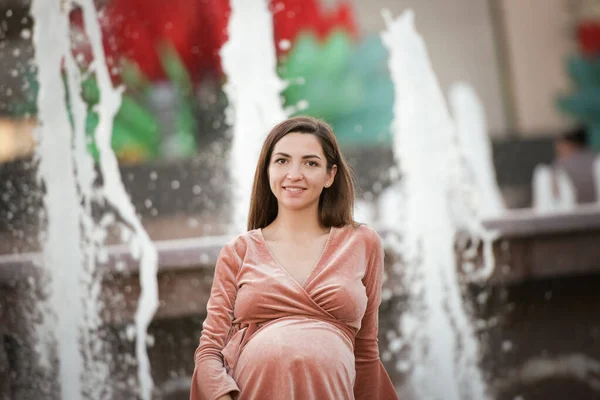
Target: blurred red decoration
point(588, 37)
point(135, 29)
point(290, 17)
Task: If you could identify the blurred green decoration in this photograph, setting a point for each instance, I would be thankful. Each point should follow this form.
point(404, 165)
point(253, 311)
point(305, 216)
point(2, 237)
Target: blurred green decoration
point(583, 102)
point(346, 84)
point(27, 108)
point(182, 140)
point(137, 134)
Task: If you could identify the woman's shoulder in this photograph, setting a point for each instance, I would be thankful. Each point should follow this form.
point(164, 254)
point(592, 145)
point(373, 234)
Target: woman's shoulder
point(239, 244)
point(360, 240)
point(361, 231)
point(360, 235)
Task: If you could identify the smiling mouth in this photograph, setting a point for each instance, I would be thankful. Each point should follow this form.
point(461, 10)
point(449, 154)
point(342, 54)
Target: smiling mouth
point(293, 189)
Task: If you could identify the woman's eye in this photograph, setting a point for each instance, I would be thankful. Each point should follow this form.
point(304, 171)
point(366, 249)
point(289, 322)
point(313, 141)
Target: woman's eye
point(280, 161)
point(313, 164)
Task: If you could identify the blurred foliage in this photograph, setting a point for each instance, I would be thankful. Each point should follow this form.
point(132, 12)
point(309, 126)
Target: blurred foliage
point(136, 134)
point(583, 101)
point(344, 83)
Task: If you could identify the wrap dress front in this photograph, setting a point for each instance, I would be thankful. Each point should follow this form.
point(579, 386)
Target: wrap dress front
point(268, 336)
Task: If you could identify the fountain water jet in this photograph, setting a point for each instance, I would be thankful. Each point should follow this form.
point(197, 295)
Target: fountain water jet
point(67, 181)
point(552, 190)
point(71, 236)
point(445, 352)
point(476, 149)
point(253, 89)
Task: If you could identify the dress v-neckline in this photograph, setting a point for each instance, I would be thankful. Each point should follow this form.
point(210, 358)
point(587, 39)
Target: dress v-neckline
point(289, 275)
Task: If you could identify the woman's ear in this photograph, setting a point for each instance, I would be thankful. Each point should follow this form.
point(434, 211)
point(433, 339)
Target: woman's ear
point(331, 178)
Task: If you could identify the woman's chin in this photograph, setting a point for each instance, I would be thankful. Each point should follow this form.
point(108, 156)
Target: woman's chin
point(295, 204)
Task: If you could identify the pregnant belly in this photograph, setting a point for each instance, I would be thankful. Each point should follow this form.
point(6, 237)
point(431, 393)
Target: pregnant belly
point(297, 344)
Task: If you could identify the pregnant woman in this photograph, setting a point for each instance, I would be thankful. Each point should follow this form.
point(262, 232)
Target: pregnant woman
point(293, 310)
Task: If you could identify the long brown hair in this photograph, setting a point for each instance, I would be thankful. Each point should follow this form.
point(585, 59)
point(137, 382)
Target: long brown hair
point(336, 203)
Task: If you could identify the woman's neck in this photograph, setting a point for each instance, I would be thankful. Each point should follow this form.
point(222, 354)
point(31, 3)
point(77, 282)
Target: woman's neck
point(297, 224)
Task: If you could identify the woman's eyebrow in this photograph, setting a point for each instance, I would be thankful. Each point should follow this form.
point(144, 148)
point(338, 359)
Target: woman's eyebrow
point(311, 156)
point(303, 157)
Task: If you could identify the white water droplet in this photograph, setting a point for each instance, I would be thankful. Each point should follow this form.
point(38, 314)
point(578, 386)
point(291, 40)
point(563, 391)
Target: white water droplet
point(150, 341)
point(302, 105)
point(120, 266)
point(130, 332)
point(26, 34)
point(285, 44)
point(395, 345)
point(204, 258)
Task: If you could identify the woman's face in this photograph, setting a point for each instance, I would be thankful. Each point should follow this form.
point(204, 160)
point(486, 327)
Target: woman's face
point(298, 171)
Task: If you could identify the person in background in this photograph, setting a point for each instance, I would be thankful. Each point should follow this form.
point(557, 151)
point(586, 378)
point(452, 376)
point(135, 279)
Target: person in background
point(293, 309)
point(575, 158)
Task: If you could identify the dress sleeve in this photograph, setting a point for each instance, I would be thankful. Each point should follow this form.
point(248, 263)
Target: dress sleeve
point(372, 380)
point(210, 379)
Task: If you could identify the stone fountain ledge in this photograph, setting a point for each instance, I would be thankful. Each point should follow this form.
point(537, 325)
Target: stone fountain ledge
point(527, 222)
point(530, 246)
point(185, 274)
point(173, 255)
point(535, 245)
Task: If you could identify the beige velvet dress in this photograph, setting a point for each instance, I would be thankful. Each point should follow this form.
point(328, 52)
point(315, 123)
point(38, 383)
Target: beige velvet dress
point(267, 336)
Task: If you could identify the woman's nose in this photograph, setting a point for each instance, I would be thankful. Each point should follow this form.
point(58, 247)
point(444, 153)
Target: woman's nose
point(294, 173)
